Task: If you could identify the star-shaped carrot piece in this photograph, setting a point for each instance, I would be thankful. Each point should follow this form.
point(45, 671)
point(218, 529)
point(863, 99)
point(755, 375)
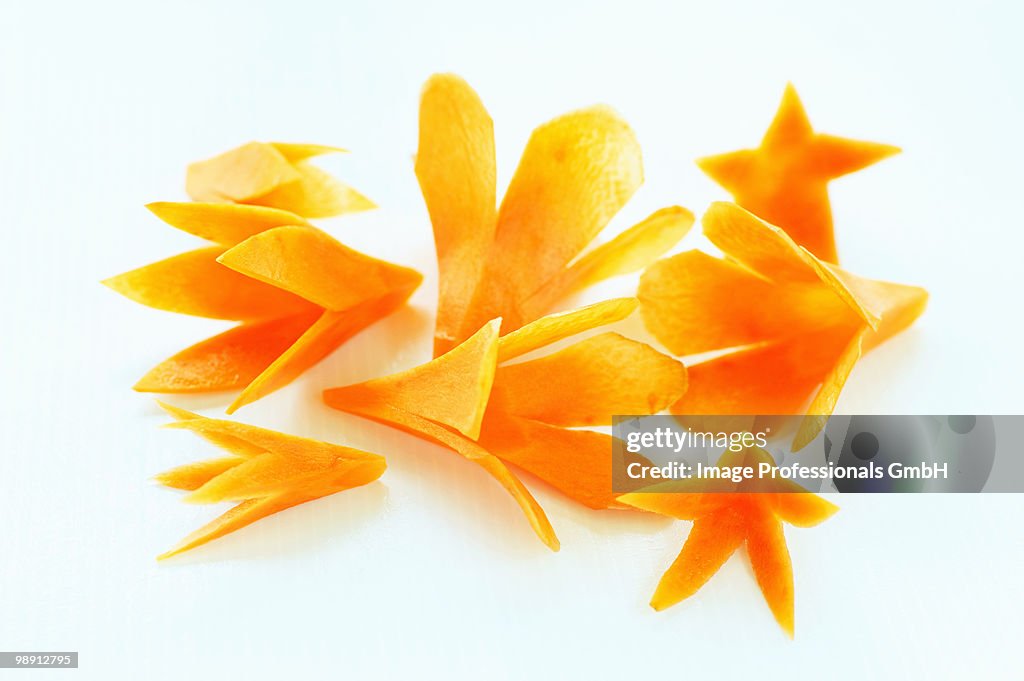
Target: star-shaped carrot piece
point(275, 175)
point(297, 292)
point(785, 180)
point(264, 472)
point(724, 521)
point(516, 261)
point(788, 322)
point(473, 401)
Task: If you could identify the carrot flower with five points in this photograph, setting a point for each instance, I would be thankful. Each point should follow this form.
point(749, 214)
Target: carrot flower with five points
point(785, 180)
point(725, 520)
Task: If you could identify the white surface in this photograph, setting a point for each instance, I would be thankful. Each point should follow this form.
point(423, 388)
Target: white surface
point(432, 571)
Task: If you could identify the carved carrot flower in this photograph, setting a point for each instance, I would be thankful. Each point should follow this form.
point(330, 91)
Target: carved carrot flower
point(473, 401)
point(276, 175)
point(787, 321)
point(297, 293)
point(724, 521)
point(785, 180)
point(264, 472)
point(516, 261)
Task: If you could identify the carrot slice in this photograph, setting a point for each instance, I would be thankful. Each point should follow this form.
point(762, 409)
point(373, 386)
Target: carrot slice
point(824, 402)
point(234, 519)
point(711, 541)
point(227, 361)
point(302, 151)
point(251, 510)
point(894, 306)
point(766, 546)
point(222, 437)
point(802, 509)
point(452, 390)
point(589, 381)
point(723, 521)
point(192, 476)
point(369, 406)
point(194, 283)
point(761, 246)
point(784, 321)
point(727, 305)
point(274, 473)
point(634, 249)
point(310, 263)
point(223, 223)
point(275, 175)
point(576, 173)
point(455, 166)
point(775, 378)
point(317, 341)
point(675, 504)
point(785, 180)
point(282, 471)
point(577, 463)
point(315, 194)
point(555, 327)
point(298, 292)
point(240, 174)
point(465, 378)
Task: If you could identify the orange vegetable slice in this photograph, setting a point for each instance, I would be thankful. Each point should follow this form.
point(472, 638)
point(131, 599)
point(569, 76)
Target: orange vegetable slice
point(431, 431)
point(455, 166)
point(576, 173)
point(785, 180)
point(711, 541)
point(468, 401)
point(192, 476)
point(275, 175)
point(462, 377)
point(588, 382)
point(193, 283)
point(320, 339)
point(628, 252)
point(299, 293)
point(789, 327)
point(227, 361)
point(769, 557)
point(276, 472)
point(315, 194)
point(223, 223)
point(562, 325)
point(575, 462)
point(313, 265)
point(724, 521)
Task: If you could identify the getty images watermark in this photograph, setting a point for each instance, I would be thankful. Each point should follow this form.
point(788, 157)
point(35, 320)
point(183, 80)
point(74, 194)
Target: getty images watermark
point(956, 453)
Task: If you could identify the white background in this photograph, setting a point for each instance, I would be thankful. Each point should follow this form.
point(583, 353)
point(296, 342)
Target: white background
point(432, 571)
